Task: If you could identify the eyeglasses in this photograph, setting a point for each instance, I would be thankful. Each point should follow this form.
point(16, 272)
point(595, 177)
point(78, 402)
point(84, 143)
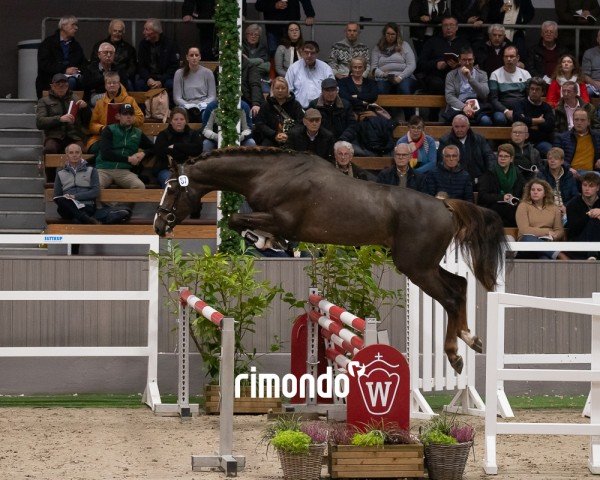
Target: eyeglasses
point(107, 52)
point(402, 154)
point(519, 133)
point(344, 155)
point(416, 127)
point(312, 120)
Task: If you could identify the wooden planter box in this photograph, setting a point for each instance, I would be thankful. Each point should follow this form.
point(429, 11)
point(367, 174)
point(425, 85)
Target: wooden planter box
point(388, 461)
point(240, 405)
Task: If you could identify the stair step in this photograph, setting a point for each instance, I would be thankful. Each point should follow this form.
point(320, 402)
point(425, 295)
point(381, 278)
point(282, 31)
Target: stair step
point(25, 168)
point(12, 231)
point(21, 185)
point(22, 203)
point(17, 120)
point(15, 136)
point(19, 153)
point(18, 105)
point(23, 220)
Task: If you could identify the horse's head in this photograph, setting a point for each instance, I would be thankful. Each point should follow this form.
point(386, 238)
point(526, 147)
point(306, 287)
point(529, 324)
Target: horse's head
point(179, 200)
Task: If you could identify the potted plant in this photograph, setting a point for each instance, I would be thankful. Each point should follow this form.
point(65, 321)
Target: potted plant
point(447, 444)
point(300, 446)
point(227, 282)
point(381, 450)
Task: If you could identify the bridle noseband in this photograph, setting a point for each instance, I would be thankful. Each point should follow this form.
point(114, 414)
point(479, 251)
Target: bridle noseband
point(170, 217)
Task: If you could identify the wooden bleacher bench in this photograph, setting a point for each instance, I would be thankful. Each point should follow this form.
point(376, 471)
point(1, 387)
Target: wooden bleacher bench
point(126, 195)
point(183, 231)
point(429, 101)
point(372, 163)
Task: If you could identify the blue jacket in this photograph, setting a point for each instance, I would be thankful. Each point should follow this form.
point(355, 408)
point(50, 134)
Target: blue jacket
point(456, 183)
point(568, 142)
point(426, 160)
point(567, 183)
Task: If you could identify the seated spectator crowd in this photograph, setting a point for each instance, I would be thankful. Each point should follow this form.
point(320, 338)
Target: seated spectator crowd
point(330, 108)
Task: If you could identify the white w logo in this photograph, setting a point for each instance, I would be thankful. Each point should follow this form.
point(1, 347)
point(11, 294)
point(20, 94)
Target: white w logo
point(378, 392)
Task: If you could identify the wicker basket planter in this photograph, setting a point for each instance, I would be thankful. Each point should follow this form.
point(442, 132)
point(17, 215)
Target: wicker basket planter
point(302, 466)
point(447, 462)
point(387, 461)
point(244, 405)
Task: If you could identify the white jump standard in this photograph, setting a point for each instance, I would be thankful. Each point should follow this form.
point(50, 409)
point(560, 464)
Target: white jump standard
point(224, 459)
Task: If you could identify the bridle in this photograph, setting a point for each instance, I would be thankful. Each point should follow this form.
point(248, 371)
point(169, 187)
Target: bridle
point(170, 217)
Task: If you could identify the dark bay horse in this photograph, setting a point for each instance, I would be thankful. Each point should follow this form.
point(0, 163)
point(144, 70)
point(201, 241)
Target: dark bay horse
point(301, 197)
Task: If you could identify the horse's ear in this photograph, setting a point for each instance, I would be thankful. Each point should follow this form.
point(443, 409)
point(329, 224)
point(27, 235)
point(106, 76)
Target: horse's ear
point(172, 163)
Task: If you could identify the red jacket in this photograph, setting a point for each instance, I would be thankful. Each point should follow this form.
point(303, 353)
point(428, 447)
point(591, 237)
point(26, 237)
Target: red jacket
point(553, 96)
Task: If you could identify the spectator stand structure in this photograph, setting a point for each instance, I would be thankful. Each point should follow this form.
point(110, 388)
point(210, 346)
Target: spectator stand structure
point(225, 460)
point(151, 394)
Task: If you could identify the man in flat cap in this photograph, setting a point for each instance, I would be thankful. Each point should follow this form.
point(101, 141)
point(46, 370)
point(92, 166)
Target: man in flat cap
point(311, 136)
point(337, 113)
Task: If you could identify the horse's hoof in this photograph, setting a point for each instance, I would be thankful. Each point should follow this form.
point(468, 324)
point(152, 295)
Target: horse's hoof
point(477, 345)
point(457, 364)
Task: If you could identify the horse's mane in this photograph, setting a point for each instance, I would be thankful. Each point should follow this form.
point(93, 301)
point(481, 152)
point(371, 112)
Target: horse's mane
point(245, 151)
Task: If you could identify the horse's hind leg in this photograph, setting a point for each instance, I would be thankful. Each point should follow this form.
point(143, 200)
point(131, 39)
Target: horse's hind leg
point(450, 291)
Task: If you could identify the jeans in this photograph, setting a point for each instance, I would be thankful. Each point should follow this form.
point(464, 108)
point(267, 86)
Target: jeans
point(163, 176)
point(406, 87)
point(543, 148)
point(533, 238)
point(499, 118)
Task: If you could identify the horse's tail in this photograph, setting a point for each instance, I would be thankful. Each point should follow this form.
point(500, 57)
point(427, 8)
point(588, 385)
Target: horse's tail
point(480, 231)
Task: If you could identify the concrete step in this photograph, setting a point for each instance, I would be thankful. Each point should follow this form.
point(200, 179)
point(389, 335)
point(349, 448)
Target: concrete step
point(17, 120)
point(15, 136)
point(23, 202)
point(22, 250)
point(18, 153)
point(28, 168)
point(22, 220)
point(21, 185)
point(17, 105)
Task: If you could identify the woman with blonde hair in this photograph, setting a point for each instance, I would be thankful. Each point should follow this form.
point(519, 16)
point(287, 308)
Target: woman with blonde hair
point(393, 62)
point(277, 115)
point(538, 218)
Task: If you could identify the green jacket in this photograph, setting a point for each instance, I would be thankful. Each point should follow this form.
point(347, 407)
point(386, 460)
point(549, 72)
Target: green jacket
point(118, 143)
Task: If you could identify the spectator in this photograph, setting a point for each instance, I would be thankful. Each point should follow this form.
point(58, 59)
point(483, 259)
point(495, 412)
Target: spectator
point(500, 189)
point(256, 53)
point(512, 12)
point(158, 58)
point(290, 50)
point(473, 13)
point(60, 127)
point(422, 146)
point(581, 145)
point(125, 58)
point(393, 63)
point(489, 55)
point(583, 216)
point(450, 177)
point(508, 87)
point(211, 132)
point(336, 113)
point(343, 154)
point(467, 91)
point(567, 105)
point(76, 188)
point(251, 86)
point(345, 50)
point(578, 12)
point(590, 66)
point(61, 53)
point(305, 76)
point(212, 105)
point(538, 219)
point(119, 145)
point(194, 86)
point(283, 10)
point(203, 10)
point(311, 137)
point(544, 56)
point(400, 173)
point(567, 70)
point(560, 179)
point(277, 115)
point(537, 115)
point(373, 136)
point(433, 63)
point(93, 77)
point(430, 14)
point(177, 140)
point(116, 93)
point(527, 159)
point(476, 156)
point(359, 90)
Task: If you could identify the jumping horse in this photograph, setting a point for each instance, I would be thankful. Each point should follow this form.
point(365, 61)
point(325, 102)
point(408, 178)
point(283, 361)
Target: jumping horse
point(301, 197)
